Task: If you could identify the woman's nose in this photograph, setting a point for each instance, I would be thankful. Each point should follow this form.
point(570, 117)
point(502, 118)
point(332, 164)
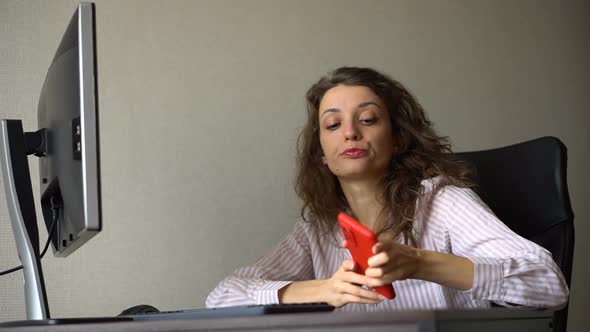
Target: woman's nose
point(351, 132)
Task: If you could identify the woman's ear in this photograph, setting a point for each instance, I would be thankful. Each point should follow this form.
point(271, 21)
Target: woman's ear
point(324, 160)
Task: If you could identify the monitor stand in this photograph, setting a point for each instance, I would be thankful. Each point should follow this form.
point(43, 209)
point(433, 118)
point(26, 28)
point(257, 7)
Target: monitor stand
point(64, 321)
point(15, 145)
point(21, 209)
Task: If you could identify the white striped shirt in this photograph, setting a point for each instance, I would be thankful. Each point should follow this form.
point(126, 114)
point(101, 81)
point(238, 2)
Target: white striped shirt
point(508, 269)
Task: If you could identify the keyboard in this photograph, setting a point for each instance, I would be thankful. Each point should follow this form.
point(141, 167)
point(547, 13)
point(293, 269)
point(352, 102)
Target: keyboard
point(235, 311)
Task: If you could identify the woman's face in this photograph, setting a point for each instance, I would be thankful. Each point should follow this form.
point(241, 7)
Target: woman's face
point(355, 133)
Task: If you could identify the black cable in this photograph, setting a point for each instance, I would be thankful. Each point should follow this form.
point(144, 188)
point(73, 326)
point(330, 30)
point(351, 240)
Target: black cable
point(53, 222)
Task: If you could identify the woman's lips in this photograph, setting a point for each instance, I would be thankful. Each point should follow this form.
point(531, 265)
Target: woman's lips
point(354, 152)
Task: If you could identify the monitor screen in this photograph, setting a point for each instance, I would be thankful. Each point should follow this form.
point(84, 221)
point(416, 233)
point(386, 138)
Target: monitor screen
point(68, 118)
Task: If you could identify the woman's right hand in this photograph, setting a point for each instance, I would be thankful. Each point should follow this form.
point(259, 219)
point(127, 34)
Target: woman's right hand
point(344, 287)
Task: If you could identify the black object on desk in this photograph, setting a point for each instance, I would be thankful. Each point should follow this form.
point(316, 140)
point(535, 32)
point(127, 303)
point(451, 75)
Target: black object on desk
point(234, 311)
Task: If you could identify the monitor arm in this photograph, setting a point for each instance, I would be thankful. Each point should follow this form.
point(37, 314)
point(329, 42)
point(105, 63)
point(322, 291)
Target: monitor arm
point(36, 142)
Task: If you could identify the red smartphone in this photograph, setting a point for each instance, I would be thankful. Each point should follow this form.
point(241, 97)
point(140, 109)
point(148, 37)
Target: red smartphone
point(360, 241)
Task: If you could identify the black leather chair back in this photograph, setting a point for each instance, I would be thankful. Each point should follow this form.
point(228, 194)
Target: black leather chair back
point(526, 186)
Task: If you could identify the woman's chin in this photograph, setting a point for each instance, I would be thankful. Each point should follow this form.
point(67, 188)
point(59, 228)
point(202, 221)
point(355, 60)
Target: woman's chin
point(357, 175)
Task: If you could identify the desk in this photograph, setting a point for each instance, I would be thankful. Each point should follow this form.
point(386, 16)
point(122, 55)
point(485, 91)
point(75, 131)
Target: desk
point(499, 319)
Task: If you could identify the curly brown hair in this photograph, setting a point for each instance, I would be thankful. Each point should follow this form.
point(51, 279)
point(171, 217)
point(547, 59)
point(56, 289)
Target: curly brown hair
point(421, 154)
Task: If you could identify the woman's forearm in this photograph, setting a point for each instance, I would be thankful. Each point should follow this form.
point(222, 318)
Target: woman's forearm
point(445, 269)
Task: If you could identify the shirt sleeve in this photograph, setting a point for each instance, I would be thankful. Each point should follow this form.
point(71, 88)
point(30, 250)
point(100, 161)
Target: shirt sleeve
point(260, 282)
point(509, 269)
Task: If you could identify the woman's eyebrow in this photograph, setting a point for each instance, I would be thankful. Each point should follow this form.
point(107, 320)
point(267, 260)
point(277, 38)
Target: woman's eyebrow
point(361, 105)
point(367, 103)
point(329, 110)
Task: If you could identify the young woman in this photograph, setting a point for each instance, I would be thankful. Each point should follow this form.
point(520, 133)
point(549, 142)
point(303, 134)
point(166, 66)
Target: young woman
point(369, 149)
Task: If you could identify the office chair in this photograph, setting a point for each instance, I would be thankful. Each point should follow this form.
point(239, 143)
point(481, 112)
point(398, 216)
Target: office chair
point(525, 185)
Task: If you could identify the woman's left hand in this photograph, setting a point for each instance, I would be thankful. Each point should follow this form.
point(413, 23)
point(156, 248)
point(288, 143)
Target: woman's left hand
point(392, 261)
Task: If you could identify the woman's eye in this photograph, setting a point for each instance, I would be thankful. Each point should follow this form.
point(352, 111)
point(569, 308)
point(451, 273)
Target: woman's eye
point(333, 126)
point(369, 121)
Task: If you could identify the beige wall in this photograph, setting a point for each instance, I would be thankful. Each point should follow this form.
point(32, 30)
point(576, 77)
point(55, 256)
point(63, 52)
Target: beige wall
point(201, 103)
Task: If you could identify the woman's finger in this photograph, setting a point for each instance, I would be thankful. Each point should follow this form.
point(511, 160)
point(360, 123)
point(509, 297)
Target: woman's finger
point(354, 278)
point(374, 272)
point(348, 298)
point(379, 259)
point(347, 265)
point(377, 248)
point(362, 293)
point(385, 279)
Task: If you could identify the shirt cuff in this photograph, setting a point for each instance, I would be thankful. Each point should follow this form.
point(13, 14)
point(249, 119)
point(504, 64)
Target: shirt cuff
point(487, 279)
point(269, 292)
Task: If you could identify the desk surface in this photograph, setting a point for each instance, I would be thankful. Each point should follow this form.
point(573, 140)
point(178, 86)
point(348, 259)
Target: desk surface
point(499, 319)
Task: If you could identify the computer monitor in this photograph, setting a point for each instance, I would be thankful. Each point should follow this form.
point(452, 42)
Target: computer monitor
point(67, 144)
point(67, 112)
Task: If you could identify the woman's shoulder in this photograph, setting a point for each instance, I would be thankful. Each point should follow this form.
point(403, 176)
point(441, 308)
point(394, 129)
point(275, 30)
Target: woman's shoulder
point(451, 205)
point(443, 191)
point(312, 227)
point(316, 234)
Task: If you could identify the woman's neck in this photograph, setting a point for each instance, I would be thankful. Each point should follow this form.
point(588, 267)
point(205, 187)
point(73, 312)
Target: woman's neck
point(364, 200)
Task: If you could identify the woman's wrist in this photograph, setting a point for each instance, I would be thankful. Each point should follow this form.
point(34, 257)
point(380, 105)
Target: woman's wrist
point(422, 263)
point(301, 292)
point(445, 269)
